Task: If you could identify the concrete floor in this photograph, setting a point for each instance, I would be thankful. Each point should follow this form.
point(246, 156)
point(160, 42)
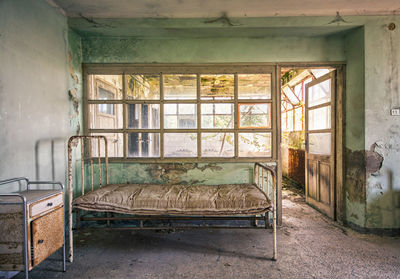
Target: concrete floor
point(310, 246)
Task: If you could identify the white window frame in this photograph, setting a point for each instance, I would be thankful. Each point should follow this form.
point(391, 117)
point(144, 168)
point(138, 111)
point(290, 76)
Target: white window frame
point(197, 69)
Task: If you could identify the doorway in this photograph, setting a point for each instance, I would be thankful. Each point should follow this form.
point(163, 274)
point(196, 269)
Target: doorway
point(311, 134)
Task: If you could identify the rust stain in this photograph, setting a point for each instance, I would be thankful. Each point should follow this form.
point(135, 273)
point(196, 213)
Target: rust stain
point(360, 164)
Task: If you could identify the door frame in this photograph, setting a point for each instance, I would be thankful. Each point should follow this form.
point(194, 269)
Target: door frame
point(340, 68)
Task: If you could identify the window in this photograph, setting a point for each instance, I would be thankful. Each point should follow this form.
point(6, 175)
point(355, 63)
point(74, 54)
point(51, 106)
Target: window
point(191, 113)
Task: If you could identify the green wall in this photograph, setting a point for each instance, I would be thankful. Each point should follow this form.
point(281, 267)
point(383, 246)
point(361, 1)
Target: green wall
point(371, 53)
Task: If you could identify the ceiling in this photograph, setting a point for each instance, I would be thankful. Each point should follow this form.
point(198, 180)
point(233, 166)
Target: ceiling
point(214, 8)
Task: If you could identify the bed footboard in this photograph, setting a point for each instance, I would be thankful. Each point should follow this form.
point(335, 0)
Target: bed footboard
point(261, 176)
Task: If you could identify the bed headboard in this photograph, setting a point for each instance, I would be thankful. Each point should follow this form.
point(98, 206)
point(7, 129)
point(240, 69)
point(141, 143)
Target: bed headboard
point(80, 141)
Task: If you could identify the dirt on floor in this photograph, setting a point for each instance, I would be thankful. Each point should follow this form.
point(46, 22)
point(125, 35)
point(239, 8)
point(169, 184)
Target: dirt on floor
point(310, 245)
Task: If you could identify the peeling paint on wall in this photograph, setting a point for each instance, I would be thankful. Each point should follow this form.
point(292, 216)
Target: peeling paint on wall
point(374, 160)
point(75, 80)
point(171, 173)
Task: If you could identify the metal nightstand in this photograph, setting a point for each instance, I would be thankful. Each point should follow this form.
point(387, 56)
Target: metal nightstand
point(31, 225)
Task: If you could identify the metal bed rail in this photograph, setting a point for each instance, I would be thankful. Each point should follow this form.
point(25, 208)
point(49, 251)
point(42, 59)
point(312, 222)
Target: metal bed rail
point(262, 174)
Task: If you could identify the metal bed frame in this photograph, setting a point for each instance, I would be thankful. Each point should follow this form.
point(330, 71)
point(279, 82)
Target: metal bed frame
point(259, 178)
point(24, 208)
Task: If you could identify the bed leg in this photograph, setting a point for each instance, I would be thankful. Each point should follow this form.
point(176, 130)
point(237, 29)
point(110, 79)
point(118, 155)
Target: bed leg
point(78, 219)
point(71, 238)
point(254, 222)
point(275, 253)
point(108, 221)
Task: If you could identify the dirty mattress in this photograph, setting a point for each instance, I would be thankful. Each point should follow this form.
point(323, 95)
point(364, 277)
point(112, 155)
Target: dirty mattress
point(177, 200)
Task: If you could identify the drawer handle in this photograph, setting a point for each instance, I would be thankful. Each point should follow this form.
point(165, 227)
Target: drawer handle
point(50, 204)
point(40, 241)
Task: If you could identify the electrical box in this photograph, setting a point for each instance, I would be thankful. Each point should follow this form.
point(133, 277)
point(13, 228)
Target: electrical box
point(395, 112)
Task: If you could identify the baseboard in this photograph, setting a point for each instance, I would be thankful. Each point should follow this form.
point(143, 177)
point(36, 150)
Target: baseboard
point(376, 231)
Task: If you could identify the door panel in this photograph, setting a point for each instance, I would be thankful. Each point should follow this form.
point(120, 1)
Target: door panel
point(320, 140)
point(312, 182)
point(324, 181)
point(320, 143)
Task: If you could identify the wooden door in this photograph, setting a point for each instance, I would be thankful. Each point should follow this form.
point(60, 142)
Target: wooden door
point(320, 143)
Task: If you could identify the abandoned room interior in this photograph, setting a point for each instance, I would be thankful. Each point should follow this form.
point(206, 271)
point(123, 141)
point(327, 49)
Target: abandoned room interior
point(196, 139)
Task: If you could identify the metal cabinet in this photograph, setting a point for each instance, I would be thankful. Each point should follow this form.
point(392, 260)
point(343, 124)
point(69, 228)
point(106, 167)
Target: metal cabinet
point(31, 225)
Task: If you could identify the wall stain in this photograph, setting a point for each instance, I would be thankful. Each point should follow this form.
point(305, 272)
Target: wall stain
point(355, 175)
point(355, 216)
point(171, 173)
point(392, 85)
point(94, 23)
point(360, 164)
point(73, 92)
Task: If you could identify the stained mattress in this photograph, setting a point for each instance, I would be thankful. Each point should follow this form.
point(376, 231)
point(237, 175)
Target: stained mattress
point(176, 200)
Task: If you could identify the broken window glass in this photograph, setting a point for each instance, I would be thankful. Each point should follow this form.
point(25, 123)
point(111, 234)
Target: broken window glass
point(142, 87)
point(217, 87)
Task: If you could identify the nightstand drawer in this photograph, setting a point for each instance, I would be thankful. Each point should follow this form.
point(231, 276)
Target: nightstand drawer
point(45, 205)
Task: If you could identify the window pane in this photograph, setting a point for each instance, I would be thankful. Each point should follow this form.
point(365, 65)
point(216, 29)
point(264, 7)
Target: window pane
point(143, 116)
point(114, 144)
point(320, 143)
point(319, 118)
point(144, 145)
point(255, 115)
point(284, 122)
point(180, 145)
point(105, 116)
point(319, 93)
point(217, 145)
point(217, 87)
point(217, 116)
point(319, 72)
point(254, 86)
point(254, 145)
point(290, 121)
point(142, 87)
point(105, 87)
point(180, 87)
point(299, 119)
point(180, 116)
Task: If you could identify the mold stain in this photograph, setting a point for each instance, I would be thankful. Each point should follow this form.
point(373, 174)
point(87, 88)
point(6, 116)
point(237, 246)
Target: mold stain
point(360, 164)
point(171, 173)
point(392, 84)
point(355, 175)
